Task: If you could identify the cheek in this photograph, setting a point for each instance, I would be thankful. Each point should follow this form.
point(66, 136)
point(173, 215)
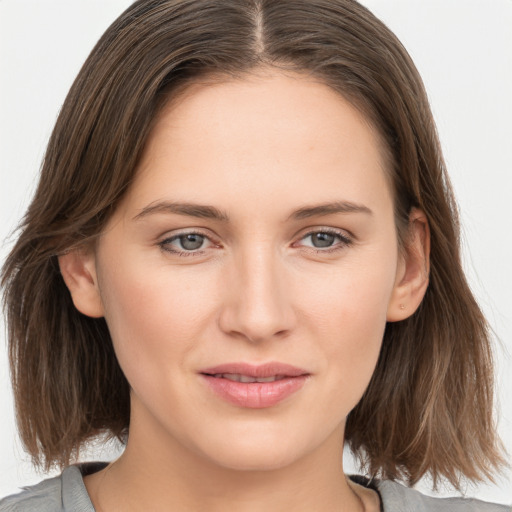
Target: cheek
point(155, 316)
point(352, 299)
point(349, 318)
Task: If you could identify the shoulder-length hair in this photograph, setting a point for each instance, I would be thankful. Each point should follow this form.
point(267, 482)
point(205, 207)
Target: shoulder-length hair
point(429, 405)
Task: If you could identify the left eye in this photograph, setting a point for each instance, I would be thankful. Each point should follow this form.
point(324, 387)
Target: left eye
point(326, 239)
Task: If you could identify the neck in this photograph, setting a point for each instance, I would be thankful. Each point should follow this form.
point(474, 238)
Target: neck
point(156, 472)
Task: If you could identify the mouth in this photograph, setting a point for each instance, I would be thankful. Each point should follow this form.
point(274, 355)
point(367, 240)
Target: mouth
point(254, 386)
point(272, 369)
point(237, 377)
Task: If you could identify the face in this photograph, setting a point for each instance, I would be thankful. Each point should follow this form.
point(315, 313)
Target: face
point(259, 229)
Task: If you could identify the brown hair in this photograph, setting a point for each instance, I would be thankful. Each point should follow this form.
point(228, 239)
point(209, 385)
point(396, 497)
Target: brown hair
point(429, 405)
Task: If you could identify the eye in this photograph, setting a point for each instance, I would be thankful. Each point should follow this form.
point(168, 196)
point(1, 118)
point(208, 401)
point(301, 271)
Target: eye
point(191, 241)
point(322, 239)
point(185, 244)
point(326, 240)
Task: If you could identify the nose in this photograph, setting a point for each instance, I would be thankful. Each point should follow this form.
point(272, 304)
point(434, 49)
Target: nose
point(257, 305)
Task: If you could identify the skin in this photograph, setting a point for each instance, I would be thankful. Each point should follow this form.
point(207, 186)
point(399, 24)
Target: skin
point(257, 290)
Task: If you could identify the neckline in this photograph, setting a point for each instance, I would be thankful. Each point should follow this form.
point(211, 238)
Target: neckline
point(88, 468)
point(372, 484)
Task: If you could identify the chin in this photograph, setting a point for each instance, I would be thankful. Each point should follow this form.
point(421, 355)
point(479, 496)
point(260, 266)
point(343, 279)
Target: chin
point(252, 451)
point(254, 460)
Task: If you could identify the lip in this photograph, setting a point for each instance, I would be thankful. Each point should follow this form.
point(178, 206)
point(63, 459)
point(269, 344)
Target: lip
point(255, 395)
point(257, 370)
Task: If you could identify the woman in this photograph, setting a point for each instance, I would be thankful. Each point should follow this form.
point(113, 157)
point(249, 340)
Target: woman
point(243, 253)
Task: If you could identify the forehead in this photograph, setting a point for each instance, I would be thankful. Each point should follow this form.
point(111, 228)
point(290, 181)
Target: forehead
point(263, 134)
point(262, 91)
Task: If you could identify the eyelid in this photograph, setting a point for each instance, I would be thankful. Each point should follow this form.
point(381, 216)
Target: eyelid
point(345, 237)
point(187, 230)
point(166, 239)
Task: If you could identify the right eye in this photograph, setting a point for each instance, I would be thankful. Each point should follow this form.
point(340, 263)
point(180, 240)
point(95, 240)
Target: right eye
point(185, 244)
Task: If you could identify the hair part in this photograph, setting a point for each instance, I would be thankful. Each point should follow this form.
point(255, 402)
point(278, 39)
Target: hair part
point(429, 405)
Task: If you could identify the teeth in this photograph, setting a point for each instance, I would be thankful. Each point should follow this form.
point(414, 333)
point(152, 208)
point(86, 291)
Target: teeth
point(268, 379)
point(236, 377)
point(245, 378)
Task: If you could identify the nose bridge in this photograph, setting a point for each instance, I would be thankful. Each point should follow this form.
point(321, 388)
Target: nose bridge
point(258, 305)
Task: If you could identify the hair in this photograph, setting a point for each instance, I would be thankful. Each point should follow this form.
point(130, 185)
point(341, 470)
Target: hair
point(429, 406)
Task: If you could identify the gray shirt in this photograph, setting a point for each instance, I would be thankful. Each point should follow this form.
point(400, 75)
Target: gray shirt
point(67, 493)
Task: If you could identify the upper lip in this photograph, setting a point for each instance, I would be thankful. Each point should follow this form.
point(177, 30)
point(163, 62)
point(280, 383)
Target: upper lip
point(257, 370)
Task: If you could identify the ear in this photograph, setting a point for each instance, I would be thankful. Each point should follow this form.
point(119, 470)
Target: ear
point(413, 269)
point(78, 268)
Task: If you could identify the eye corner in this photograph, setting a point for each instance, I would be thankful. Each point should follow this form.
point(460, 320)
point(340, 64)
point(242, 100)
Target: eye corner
point(167, 241)
point(344, 237)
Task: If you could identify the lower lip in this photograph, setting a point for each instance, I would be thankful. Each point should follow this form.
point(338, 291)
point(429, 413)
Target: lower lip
point(255, 395)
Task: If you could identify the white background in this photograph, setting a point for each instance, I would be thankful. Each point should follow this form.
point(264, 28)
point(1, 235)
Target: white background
point(463, 49)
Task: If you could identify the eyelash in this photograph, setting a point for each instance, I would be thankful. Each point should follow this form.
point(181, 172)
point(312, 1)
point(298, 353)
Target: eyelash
point(164, 244)
point(344, 241)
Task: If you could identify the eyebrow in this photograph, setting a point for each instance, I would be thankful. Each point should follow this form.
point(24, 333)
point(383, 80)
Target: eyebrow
point(189, 209)
point(329, 209)
point(211, 212)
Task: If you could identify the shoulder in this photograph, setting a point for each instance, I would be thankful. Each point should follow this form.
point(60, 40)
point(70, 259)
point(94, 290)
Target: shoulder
point(398, 498)
point(63, 493)
point(46, 496)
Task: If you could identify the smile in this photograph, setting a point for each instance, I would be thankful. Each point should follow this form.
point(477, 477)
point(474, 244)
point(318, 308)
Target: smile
point(237, 377)
point(254, 386)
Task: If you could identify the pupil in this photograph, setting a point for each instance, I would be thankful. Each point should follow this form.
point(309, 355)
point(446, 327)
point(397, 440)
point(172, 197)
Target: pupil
point(323, 239)
point(191, 242)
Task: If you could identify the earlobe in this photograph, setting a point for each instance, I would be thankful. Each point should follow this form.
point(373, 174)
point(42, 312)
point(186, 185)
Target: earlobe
point(78, 270)
point(413, 270)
